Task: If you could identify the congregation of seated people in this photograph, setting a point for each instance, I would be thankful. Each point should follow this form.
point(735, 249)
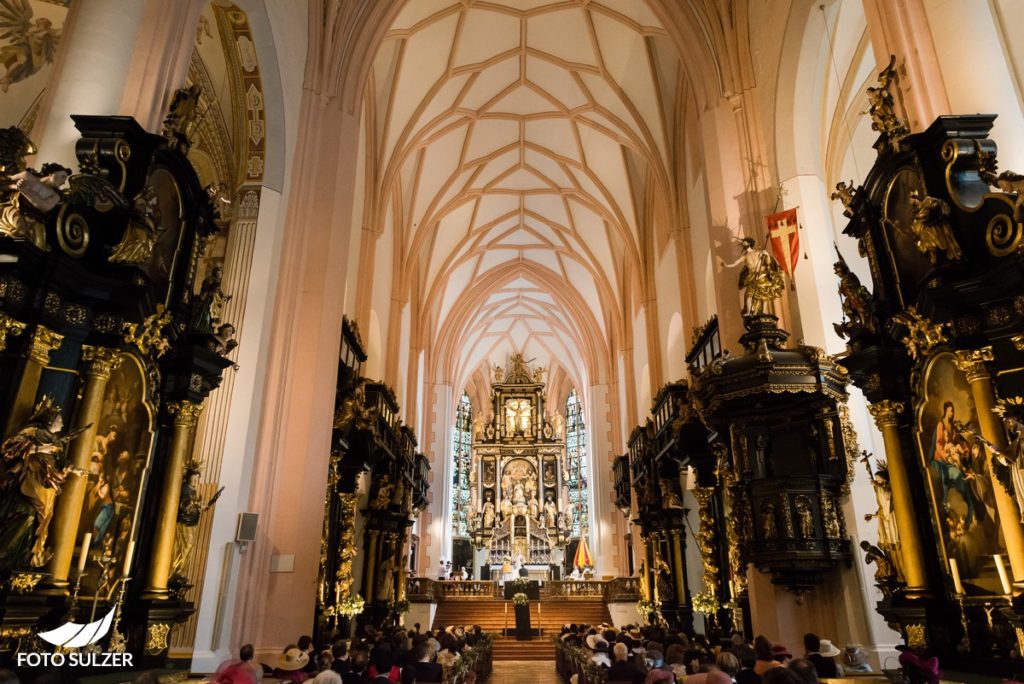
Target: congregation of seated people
point(656, 655)
point(390, 656)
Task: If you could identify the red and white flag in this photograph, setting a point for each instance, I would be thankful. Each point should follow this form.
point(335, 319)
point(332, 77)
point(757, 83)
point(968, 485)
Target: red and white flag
point(785, 240)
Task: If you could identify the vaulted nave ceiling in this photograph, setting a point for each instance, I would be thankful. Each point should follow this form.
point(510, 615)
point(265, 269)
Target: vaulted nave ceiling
point(524, 154)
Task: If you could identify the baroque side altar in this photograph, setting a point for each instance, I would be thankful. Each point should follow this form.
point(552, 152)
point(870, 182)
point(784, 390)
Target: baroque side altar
point(519, 492)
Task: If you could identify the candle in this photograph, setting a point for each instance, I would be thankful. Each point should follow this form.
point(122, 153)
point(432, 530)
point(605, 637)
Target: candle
point(128, 558)
point(1003, 579)
point(957, 584)
point(84, 555)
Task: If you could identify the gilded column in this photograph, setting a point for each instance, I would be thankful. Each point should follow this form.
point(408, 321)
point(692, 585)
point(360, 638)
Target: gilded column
point(186, 415)
point(100, 363)
point(37, 356)
point(677, 557)
point(972, 363)
point(886, 414)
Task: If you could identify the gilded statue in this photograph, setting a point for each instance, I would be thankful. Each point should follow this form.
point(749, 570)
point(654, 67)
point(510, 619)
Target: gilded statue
point(142, 231)
point(148, 335)
point(550, 511)
point(845, 192)
point(30, 480)
point(670, 494)
point(488, 515)
point(190, 509)
point(930, 227)
point(499, 374)
point(1007, 181)
point(768, 527)
point(888, 533)
point(208, 306)
point(386, 580)
point(885, 571)
point(181, 117)
point(882, 107)
point(14, 221)
point(760, 278)
point(858, 305)
point(803, 506)
point(922, 335)
point(383, 497)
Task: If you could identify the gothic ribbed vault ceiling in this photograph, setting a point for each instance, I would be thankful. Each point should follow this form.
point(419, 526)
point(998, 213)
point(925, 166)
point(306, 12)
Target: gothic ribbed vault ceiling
point(523, 157)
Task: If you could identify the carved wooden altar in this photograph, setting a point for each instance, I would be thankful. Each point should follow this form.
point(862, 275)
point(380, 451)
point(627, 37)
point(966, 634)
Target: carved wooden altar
point(519, 496)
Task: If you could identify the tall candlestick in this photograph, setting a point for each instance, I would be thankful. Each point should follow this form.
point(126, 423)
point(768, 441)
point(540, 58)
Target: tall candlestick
point(955, 571)
point(1003, 579)
point(128, 557)
point(84, 555)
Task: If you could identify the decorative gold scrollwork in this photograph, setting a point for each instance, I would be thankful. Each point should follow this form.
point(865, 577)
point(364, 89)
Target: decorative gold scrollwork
point(1003, 235)
point(916, 636)
point(156, 638)
point(24, 582)
point(9, 326)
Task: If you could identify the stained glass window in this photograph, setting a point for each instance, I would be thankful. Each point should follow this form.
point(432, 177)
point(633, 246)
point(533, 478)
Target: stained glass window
point(462, 437)
point(576, 463)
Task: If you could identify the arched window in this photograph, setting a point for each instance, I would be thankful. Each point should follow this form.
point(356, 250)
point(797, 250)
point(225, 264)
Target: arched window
point(576, 463)
point(462, 438)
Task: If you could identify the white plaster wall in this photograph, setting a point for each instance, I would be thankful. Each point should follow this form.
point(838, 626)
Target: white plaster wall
point(971, 41)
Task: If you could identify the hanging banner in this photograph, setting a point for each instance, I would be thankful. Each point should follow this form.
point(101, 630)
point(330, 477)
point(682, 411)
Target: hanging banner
point(785, 239)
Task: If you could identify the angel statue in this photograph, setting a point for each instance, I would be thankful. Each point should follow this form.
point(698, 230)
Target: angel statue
point(33, 43)
point(190, 509)
point(208, 306)
point(931, 229)
point(142, 231)
point(760, 278)
point(30, 479)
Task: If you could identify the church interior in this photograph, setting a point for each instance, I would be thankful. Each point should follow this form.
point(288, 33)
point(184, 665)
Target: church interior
point(638, 339)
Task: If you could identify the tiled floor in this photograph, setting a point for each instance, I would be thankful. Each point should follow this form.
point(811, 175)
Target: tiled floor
point(524, 672)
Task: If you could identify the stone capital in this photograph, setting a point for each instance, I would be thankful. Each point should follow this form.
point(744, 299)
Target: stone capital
point(885, 412)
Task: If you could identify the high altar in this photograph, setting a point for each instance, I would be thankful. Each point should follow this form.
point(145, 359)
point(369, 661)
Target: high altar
point(519, 488)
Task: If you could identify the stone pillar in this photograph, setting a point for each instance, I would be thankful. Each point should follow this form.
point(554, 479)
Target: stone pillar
point(900, 28)
point(123, 57)
point(89, 74)
point(972, 363)
point(886, 414)
point(37, 356)
point(186, 415)
point(100, 363)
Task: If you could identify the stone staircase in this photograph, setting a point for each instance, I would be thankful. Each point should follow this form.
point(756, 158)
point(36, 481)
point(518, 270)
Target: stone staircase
point(490, 615)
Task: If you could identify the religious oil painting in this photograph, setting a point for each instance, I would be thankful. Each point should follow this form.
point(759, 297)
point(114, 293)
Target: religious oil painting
point(957, 468)
point(116, 473)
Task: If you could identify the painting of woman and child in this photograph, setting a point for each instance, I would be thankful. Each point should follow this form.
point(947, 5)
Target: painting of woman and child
point(959, 472)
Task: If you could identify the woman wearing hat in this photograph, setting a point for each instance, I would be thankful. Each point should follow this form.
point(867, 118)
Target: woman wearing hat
point(855, 659)
point(291, 665)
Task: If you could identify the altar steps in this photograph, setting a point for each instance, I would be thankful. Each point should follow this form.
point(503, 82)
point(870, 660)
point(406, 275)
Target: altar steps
point(490, 615)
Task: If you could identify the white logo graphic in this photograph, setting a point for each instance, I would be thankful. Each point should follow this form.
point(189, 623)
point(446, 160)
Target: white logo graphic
point(74, 635)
